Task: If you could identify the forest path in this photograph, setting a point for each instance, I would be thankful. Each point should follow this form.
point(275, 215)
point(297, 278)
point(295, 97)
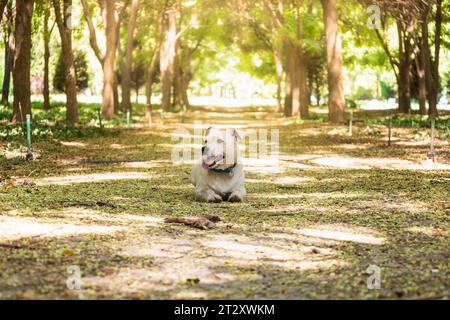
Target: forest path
point(312, 223)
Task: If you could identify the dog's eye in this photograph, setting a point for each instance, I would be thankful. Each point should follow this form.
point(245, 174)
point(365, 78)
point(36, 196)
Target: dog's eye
point(206, 141)
point(220, 141)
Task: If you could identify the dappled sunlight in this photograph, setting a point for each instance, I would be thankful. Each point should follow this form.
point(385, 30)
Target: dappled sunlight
point(293, 209)
point(193, 257)
point(396, 204)
point(375, 163)
point(144, 164)
point(96, 216)
point(212, 259)
point(74, 144)
point(242, 251)
point(120, 146)
point(298, 158)
point(326, 185)
point(344, 233)
point(92, 178)
point(358, 146)
point(314, 195)
point(281, 181)
point(14, 228)
point(262, 166)
point(430, 231)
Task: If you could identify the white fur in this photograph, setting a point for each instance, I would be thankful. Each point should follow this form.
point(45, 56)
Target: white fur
point(211, 186)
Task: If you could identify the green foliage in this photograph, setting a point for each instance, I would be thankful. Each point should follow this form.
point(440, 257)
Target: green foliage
point(351, 104)
point(41, 131)
point(363, 93)
point(81, 68)
point(387, 90)
point(58, 78)
point(442, 124)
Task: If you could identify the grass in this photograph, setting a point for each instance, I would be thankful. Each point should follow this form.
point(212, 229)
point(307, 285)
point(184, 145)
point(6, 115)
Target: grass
point(337, 205)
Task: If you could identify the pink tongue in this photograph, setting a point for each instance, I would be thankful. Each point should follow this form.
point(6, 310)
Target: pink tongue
point(205, 165)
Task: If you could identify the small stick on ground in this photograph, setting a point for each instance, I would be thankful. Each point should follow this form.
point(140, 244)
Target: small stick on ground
point(203, 223)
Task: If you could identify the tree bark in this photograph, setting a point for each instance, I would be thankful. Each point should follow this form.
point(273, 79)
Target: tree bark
point(167, 56)
point(303, 84)
point(22, 59)
point(151, 74)
point(177, 78)
point(127, 66)
point(109, 13)
point(9, 56)
point(336, 101)
point(70, 84)
point(296, 87)
point(46, 92)
point(420, 66)
point(404, 89)
point(279, 75)
point(289, 54)
point(107, 60)
point(3, 4)
point(433, 64)
point(404, 69)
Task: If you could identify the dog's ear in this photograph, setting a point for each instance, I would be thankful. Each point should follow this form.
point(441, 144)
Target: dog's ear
point(208, 130)
point(236, 134)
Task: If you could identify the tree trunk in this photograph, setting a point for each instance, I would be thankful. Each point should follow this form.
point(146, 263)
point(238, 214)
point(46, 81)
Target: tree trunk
point(46, 92)
point(167, 56)
point(3, 4)
point(422, 94)
point(151, 73)
point(9, 56)
point(109, 12)
point(177, 78)
point(336, 101)
point(127, 66)
point(65, 31)
point(289, 82)
point(404, 89)
point(433, 64)
point(296, 88)
point(279, 74)
point(404, 69)
point(303, 83)
point(22, 59)
point(185, 81)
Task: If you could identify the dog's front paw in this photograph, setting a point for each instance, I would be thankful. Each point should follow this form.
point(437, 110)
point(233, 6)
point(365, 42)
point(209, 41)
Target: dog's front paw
point(235, 197)
point(213, 197)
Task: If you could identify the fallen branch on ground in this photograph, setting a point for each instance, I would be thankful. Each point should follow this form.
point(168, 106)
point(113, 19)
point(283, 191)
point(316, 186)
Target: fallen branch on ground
point(203, 223)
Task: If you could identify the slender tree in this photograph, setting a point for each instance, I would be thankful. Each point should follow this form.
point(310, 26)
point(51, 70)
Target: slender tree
point(3, 4)
point(47, 33)
point(151, 75)
point(110, 15)
point(128, 63)
point(22, 60)
point(63, 20)
point(406, 15)
point(167, 55)
point(336, 101)
point(431, 62)
point(9, 54)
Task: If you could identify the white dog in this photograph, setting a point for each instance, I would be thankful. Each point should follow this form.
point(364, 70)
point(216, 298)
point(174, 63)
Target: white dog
point(219, 175)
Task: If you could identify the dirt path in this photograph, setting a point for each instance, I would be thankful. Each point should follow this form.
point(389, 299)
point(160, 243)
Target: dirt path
point(310, 227)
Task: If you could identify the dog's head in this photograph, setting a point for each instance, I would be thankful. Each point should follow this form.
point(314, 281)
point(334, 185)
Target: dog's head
point(221, 148)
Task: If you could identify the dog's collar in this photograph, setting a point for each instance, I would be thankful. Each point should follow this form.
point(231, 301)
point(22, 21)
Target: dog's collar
point(227, 170)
